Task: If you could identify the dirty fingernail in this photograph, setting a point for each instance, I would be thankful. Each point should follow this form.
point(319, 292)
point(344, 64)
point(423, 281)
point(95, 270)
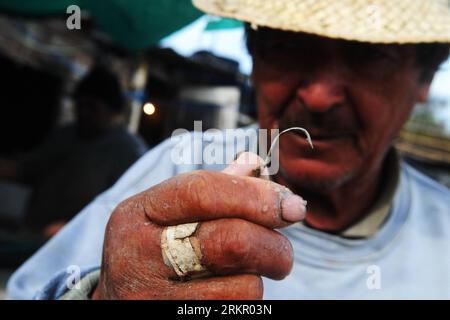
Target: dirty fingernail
point(293, 208)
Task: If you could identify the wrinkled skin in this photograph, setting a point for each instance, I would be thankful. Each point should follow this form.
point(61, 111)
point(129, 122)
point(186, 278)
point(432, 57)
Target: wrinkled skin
point(352, 98)
point(235, 238)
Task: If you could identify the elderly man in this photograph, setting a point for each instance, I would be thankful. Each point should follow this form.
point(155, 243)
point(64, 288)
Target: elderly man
point(349, 72)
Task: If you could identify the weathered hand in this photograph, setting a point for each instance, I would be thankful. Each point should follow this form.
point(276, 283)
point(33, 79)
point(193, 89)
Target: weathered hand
point(235, 237)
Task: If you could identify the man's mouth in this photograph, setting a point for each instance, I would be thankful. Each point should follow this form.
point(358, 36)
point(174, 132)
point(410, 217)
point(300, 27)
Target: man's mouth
point(337, 124)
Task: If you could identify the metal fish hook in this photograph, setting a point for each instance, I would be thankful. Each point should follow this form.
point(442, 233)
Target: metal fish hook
point(257, 172)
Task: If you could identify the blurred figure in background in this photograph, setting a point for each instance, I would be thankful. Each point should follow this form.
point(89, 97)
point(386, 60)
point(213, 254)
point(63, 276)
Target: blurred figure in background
point(81, 160)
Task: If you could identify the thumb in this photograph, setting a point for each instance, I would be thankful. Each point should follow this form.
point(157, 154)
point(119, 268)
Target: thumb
point(244, 165)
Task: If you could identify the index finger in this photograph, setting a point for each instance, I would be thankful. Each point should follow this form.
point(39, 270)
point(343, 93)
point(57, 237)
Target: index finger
point(206, 195)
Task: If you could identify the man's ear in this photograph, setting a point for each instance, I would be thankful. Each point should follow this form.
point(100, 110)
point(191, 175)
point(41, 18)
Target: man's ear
point(424, 90)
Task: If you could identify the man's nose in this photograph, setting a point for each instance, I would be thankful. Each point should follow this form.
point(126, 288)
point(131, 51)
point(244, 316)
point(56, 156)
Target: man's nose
point(321, 93)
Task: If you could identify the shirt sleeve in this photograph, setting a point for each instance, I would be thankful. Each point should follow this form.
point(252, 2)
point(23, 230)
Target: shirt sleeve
point(67, 285)
point(84, 289)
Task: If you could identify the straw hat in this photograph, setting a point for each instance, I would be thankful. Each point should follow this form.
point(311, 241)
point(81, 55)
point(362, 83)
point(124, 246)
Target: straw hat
point(377, 21)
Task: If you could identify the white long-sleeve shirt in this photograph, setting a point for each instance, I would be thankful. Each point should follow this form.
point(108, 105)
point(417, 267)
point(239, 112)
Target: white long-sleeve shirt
point(407, 258)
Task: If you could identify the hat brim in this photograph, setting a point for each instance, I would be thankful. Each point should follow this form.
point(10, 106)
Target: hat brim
point(376, 21)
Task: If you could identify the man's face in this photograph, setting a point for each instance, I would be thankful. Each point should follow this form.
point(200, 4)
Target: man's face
point(352, 97)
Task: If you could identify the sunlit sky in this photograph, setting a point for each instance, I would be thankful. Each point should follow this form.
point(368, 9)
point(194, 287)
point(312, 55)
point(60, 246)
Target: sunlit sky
point(230, 43)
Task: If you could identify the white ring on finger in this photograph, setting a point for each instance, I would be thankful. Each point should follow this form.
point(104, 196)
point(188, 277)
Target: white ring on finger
point(179, 253)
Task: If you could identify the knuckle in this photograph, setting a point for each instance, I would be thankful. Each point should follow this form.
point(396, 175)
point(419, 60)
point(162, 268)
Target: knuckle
point(235, 241)
point(123, 213)
point(115, 219)
point(183, 193)
point(196, 188)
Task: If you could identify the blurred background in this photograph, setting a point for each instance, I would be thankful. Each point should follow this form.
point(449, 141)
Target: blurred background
point(113, 84)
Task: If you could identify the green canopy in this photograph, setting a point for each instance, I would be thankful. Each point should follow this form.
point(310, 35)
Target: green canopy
point(134, 24)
